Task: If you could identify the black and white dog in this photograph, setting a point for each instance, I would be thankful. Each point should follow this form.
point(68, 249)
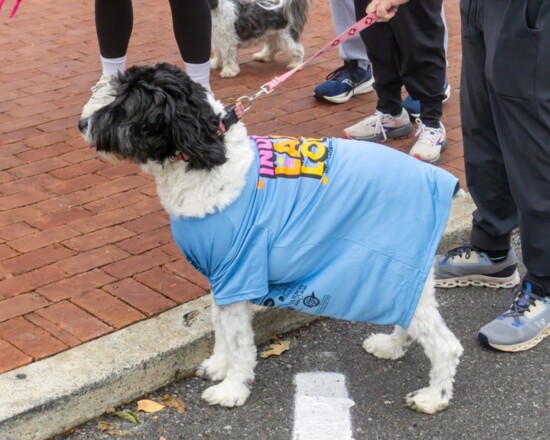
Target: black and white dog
point(238, 23)
point(205, 167)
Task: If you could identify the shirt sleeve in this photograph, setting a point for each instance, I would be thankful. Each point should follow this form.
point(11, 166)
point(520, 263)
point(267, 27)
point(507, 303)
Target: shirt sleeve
point(244, 273)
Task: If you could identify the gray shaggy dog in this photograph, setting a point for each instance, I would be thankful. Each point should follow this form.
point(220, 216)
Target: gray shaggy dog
point(278, 24)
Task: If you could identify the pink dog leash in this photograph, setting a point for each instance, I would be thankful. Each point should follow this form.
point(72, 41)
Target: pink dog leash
point(13, 9)
point(244, 102)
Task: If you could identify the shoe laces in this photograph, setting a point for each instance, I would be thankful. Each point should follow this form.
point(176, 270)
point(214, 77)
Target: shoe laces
point(523, 300)
point(375, 120)
point(101, 89)
point(465, 250)
point(425, 134)
point(345, 71)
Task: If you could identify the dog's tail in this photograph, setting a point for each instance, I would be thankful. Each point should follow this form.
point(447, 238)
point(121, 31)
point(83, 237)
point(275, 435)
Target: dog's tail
point(295, 11)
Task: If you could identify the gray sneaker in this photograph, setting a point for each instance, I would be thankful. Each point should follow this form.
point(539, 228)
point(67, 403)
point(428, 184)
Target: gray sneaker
point(466, 266)
point(523, 325)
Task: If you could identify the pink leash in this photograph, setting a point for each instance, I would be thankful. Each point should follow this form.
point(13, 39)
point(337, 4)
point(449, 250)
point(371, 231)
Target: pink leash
point(13, 9)
point(244, 102)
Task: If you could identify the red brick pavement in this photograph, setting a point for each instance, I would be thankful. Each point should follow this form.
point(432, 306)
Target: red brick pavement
point(85, 247)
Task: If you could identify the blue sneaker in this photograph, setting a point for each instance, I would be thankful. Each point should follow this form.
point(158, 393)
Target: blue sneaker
point(413, 105)
point(524, 324)
point(345, 82)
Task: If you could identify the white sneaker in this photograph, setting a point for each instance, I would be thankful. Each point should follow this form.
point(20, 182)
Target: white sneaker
point(430, 142)
point(380, 126)
point(102, 94)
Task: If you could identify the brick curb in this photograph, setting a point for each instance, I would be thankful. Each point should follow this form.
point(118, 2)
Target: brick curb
point(50, 396)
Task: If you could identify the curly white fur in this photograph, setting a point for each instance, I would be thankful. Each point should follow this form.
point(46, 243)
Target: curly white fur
point(196, 193)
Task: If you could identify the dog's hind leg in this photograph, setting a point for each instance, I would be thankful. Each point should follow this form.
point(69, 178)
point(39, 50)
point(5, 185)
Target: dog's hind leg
point(386, 346)
point(442, 348)
point(293, 49)
point(234, 356)
point(268, 52)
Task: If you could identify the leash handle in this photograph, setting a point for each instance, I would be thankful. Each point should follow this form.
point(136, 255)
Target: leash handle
point(346, 35)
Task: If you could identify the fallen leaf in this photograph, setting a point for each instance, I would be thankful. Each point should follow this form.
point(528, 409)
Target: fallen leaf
point(172, 402)
point(149, 406)
point(70, 431)
point(275, 349)
point(110, 410)
point(128, 415)
point(104, 426)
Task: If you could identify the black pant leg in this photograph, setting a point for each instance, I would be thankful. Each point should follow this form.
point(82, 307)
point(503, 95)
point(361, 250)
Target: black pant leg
point(385, 59)
point(419, 31)
point(192, 23)
point(486, 175)
point(114, 21)
point(519, 91)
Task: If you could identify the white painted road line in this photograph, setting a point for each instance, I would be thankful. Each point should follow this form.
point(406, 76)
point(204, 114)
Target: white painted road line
point(322, 407)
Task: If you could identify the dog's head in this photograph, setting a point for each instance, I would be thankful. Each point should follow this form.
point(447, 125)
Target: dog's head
point(158, 114)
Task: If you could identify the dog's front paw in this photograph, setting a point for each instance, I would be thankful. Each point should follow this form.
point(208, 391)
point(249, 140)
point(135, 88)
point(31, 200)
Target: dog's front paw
point(227, 393)
point(214, 368)
point(230, 72)
point(427, 400)
point(384, 346)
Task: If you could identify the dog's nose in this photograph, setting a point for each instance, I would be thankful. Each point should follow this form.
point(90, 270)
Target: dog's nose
point(83, 125)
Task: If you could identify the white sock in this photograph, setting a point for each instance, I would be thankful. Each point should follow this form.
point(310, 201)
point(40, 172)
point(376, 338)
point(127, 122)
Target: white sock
point(111, 66)
point(199, 73)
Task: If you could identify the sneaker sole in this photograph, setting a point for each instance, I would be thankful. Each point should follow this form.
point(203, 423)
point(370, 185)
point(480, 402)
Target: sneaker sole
point(517, 347)
point(479, 281)
point(443, 148)
point(399, 133)
point(366, 87)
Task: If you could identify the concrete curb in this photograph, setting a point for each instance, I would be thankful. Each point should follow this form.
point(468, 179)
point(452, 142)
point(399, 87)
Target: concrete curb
point(49, 396)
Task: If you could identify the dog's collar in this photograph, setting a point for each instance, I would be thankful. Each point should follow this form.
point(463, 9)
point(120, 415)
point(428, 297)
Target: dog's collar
point(233, 113)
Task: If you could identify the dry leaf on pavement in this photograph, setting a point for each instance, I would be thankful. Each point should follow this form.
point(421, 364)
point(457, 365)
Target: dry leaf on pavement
point(172, 402)
point(275, 349)
point(149, 406)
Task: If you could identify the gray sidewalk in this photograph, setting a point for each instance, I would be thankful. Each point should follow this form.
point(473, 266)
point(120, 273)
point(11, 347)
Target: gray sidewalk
point(50, 396)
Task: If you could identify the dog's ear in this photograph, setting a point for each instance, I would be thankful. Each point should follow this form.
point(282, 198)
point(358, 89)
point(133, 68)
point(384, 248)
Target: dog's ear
point(178, 117)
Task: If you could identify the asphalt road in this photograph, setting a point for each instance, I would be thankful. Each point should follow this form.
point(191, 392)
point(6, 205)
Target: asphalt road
point(497, 395)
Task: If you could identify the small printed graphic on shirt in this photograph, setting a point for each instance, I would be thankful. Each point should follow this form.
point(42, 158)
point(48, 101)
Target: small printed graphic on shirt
point(311, 300)
point(294, 296)
point(293, 157)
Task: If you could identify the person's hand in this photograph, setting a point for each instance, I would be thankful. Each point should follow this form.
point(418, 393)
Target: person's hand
point(13, 9)
point(385, 10)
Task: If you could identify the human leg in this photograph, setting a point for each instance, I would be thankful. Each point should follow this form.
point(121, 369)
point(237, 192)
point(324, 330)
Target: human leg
point(355, 76)
point(423, 70)
point(487, 260)
point(114, 22)
point(506, 121)
point(192, 24)
point(413, 105)
point(389, 120)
